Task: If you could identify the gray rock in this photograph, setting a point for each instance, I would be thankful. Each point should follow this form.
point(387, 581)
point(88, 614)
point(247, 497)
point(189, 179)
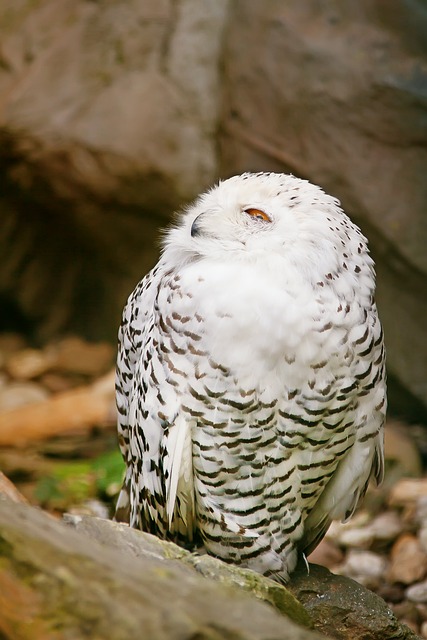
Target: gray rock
point(108, 122)
point(417, 592)
point(143, 545)
point(73, 587)
point(339, 607)
point(365, 567)
point(19, 394)
point(106, 580)
point(344, 609)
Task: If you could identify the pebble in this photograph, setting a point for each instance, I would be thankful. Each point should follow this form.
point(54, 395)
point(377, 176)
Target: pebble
point(337, 529)
point(28, 364)
point(391, 593)
point(362, 534)
point(422, 536)
point(93, 508)
point(422, 610)
point(408, 560)
point(76, 356)
point(421, 514)
point(366, 567)
point(417, 592)
point(386, 527)
point(406, 611)
point(57, 382)
point(19, 394)
point(408, 491)
point(356, 537)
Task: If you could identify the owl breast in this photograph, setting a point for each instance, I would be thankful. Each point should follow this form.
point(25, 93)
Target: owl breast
point(270, 316)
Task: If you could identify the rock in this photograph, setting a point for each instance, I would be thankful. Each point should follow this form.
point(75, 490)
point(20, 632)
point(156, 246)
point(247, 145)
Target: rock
point(365, 567)
point(408, 560)
point(131, 579)
point(104, 145)
point(75, 355)
point(361, 537)
point(385, 527)
point(141, 545)
point(408, 491)
point(363, 532)
point(417, 592)
point(46, 568)
point(422, 535)
point(28, 364)
point(57, 382)
point(422, 510)
point(344, 609)
point(19, 394)
point(411, 625)
point(8, 489)
point(424, 629)
point(337, 595)
point(77, 409)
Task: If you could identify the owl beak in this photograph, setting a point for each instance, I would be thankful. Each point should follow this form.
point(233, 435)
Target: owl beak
point(196, 226)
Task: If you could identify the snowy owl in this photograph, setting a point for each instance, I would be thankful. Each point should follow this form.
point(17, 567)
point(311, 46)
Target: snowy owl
point(250, 378)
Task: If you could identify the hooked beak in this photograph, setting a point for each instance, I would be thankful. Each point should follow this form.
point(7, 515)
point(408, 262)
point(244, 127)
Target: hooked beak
point(196, 226)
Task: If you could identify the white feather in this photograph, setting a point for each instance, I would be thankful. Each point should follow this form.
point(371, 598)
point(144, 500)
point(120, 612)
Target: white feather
point(180, 468)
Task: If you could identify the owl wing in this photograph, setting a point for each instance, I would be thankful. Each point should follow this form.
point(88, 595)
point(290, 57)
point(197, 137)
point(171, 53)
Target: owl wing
point(365, 458)
point(343, 492)
point(131, 338)
point(154, 435)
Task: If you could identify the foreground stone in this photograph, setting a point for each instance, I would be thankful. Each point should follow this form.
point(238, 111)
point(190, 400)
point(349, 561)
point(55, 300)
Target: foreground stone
point(337, 606)
point(106, 580)
point(143, 545)
point(58, 583)
point(343, 609)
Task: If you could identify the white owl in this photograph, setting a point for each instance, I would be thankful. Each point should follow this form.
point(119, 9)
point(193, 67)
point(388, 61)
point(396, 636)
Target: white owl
point(250, 379)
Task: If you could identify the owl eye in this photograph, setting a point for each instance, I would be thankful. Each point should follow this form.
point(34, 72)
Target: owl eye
point(258, 214)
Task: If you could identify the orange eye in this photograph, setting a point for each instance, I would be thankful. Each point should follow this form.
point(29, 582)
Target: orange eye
point(258, 214)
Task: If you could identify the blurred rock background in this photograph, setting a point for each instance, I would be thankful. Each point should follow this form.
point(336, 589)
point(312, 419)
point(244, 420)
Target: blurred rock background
point(116, 113)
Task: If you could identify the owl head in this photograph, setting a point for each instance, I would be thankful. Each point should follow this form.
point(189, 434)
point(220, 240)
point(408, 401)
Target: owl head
point(255, 216)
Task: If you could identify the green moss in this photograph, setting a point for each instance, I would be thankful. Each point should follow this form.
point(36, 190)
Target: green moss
point(254, 583)
point(76, 481)
point(6, 549)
